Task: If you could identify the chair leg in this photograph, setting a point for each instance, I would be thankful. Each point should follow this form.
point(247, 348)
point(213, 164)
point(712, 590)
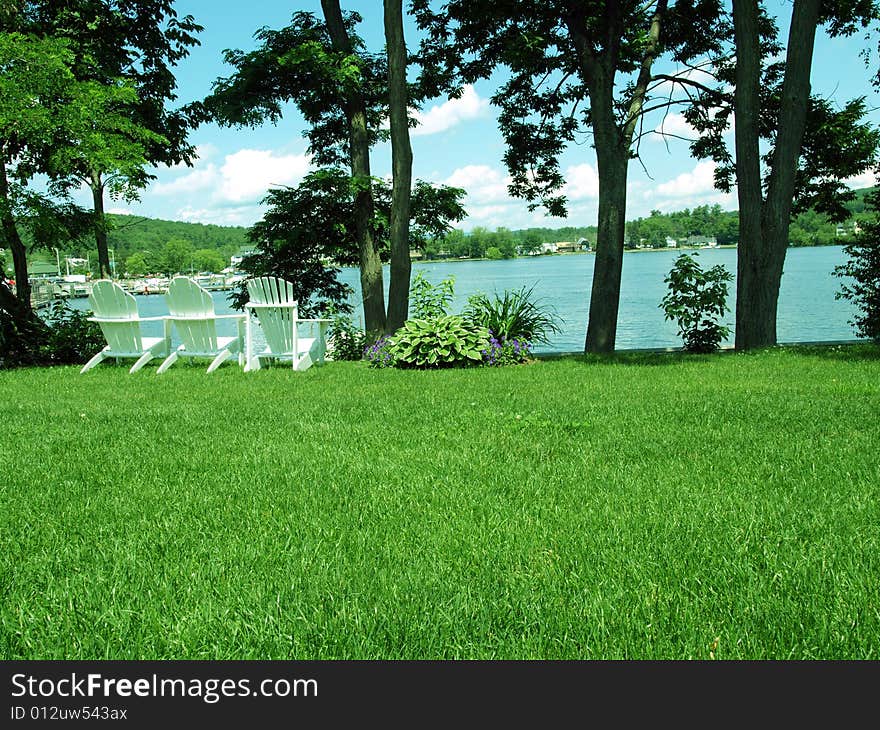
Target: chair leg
point(142, 360)
point(169, 361)
point(95, 360)
point(252, 364)
point(222, 357)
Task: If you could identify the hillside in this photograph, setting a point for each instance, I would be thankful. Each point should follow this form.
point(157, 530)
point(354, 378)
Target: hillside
point(135, 233)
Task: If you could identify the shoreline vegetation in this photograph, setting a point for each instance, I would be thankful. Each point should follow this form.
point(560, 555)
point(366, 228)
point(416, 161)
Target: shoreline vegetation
point(578, 253)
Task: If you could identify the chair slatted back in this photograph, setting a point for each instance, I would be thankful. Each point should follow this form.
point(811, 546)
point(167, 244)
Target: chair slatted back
point(198, 329)
point(109, 301)
point(276, 322)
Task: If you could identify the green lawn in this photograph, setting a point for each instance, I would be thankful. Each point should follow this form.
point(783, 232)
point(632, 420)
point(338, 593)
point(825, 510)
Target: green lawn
point(641, 507)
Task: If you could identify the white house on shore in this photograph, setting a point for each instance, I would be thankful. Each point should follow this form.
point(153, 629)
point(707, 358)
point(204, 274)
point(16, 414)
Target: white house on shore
point(702, 241)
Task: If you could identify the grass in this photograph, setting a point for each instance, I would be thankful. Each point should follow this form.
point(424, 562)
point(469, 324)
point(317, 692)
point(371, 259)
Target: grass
point(651, 506)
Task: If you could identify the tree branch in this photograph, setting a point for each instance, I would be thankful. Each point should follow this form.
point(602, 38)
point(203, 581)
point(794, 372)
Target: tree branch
point(720, 96)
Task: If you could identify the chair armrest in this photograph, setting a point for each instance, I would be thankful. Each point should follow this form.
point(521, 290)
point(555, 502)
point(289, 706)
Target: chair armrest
point(315, 320)
point(154, 319)
point(260, 305)
point(201, 318)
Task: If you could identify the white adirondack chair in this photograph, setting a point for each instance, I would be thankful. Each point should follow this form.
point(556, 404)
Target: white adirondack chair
point(115, 310)
point(191, 309)
point(272, 301)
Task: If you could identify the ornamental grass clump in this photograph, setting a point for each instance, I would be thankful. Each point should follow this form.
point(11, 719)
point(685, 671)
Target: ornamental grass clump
point(513, 315)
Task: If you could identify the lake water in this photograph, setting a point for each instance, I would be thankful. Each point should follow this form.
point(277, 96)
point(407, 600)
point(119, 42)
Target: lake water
point(808, 310)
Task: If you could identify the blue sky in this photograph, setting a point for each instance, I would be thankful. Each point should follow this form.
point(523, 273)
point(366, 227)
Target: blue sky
point(457, 142)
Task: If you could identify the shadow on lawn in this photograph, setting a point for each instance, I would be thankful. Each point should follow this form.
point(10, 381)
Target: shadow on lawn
point(841, 352)
point(653, 358)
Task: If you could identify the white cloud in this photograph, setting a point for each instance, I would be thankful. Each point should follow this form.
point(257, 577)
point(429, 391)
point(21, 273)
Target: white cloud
point(206, 151)
point(700, 180)
point(483, 184)
point(489, 204)
point(236, 216)
point(489, 213)
point(441, 117)
point(244, 177)
point(248, 174)
point(191, 182)
point(674, 124)
point(582, 181)
point(865, 180)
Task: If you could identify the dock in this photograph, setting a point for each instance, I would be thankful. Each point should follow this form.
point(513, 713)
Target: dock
point(46, 291)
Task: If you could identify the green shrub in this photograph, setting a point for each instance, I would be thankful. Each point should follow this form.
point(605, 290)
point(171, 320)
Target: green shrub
point(348, 341)
point(862, 268)
point(438, 342)
point(494, 253)
point(427, 300)
point(695, 299)
point(70, 337)
point(514, 315)
point(20, 342)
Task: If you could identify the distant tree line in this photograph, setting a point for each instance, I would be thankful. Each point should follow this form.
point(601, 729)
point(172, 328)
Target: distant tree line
point(810, 228)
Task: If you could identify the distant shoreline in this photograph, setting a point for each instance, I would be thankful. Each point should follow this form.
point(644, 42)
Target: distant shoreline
point(453, 259)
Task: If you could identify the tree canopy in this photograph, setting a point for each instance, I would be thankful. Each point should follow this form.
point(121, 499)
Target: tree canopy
point(309, 229)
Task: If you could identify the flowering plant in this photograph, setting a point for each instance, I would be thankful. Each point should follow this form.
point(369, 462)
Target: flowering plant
point(506, 351)
point(379, 353)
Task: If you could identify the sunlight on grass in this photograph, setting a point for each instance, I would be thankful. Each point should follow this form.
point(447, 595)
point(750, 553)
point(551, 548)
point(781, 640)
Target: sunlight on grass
point(640, 507)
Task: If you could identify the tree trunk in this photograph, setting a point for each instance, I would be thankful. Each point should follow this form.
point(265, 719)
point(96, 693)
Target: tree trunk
point(13, 240)
point(401, 164)
point(613, 143)
point(97, 186)
point(356, 115)
point(764, 224)
point(608, 267)
point(751, 293)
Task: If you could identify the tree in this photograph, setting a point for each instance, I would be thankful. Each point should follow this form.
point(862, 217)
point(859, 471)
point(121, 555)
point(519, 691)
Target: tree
point(576, 67)
point(507, 247)
point(339, 88)
point(139, 41)
point(136, 264)
point(861, 274)
point(812, 147)
point(208, 259)
point(312, 228)
point(177, 256)
point(48, 121)
point(401, 164)
point(531, 243)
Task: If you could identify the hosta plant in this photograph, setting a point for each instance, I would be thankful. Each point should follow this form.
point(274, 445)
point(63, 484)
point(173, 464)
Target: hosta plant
point(438, 342)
